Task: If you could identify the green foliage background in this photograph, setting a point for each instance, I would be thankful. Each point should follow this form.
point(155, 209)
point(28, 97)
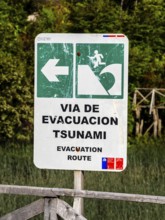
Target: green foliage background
point(142, 21)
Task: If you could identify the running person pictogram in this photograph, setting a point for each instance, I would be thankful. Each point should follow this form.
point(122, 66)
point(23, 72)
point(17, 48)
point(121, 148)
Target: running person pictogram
point(96, 59)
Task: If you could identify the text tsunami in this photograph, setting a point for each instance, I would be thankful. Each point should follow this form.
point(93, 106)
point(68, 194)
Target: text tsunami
point(80, 134)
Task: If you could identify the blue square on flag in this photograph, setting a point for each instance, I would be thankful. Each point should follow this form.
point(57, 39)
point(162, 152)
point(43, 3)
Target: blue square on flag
point(104, 163)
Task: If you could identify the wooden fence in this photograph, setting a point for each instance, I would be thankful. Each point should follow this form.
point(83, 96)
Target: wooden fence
point(52, 206)
point(152, 99)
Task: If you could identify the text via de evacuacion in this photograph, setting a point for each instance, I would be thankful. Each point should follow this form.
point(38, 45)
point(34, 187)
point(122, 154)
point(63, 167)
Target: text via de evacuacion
point(79, 120)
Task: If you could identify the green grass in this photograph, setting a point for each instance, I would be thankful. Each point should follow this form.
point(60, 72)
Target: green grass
point(144, 175)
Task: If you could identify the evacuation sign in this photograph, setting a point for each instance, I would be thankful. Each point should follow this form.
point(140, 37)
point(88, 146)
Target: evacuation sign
point(80, 109)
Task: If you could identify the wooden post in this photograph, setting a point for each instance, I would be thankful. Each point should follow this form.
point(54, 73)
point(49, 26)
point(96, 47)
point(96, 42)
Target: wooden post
point(138, 110)
point(141, 127)
point(155, 119)
point(78, 203)
point(159, 127)
point(50, 209)
point(26, 212)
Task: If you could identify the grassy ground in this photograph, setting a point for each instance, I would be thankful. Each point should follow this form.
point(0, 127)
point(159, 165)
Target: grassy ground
point(144, 175)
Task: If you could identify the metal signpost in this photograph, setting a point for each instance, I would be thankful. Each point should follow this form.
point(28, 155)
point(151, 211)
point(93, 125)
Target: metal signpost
point(81, 90)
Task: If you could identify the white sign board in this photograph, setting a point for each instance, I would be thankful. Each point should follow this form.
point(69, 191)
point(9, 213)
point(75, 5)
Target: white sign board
point(81, 91)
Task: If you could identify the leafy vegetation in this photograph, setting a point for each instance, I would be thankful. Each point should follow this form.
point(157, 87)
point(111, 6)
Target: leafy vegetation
point(142, 21)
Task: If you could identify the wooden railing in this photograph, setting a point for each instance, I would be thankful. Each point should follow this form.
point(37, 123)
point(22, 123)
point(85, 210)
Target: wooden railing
point(149, 98)
point(152, 99)
point(52, 206)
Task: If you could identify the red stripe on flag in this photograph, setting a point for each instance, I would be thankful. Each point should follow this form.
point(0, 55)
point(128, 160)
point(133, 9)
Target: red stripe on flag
point(120, 35)
point(109, 35)
point(110, 163)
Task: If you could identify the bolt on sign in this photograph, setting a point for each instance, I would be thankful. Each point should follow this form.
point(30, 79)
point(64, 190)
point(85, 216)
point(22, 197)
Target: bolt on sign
point(81, 91)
